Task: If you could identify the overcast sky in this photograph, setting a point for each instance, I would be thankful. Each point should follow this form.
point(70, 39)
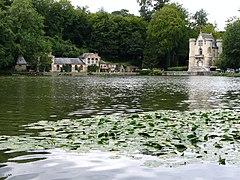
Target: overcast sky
point(219, 10)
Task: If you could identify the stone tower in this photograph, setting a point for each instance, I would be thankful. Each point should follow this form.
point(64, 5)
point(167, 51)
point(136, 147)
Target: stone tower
point(203, 52)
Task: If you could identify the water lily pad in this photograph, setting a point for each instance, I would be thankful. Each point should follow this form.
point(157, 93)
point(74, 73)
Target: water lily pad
point(184, 136)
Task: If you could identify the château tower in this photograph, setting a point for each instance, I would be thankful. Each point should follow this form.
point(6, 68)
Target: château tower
point(203, 52)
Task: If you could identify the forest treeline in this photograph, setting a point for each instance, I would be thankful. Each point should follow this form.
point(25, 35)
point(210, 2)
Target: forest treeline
point(158, 38)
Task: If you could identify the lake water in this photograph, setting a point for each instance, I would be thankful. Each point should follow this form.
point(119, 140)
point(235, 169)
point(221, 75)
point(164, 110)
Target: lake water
point(25, 100)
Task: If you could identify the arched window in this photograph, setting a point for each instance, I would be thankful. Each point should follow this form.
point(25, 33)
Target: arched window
point(209, 50)
point(200, 51)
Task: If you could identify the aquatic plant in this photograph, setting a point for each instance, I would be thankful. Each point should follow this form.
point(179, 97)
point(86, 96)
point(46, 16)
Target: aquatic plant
point(187, 137)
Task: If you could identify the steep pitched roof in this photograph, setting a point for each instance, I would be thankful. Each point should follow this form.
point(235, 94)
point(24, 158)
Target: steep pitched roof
point(76, 61)
point(207, 36)
point(21, 61)
point(85, 55)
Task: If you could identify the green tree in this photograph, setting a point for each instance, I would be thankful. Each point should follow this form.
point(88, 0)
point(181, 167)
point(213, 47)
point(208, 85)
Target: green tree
point(4, 4)
point(118, 37)
point(167, 38)
point(200, 18)
point(122, 12)
point(79, 30)
point(27, 26)
point(6, 41)
point(62, 48)
point(231, 46)
point(148, 7)
point(200, 23)
point(58, 18)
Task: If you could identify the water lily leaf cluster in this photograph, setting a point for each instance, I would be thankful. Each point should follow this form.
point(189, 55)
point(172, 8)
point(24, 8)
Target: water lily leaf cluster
point(187, 137)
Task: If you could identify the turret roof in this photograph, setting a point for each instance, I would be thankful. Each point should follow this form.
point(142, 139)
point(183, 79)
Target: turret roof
point(21, 61)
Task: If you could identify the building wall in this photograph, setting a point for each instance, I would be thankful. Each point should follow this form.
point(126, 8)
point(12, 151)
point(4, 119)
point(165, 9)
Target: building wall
point(58, 67)
point(21, 67)
point(92, 59)
point(203, 53)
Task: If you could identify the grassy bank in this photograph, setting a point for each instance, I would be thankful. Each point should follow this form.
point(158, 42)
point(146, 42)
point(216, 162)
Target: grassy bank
point(227, 74)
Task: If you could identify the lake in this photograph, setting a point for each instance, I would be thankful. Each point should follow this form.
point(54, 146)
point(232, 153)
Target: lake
point(25, 100)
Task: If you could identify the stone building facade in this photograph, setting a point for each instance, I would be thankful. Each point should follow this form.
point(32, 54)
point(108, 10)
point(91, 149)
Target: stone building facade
point(67, 64)
point(79, 64)
point(90, 59)
point(203, 52)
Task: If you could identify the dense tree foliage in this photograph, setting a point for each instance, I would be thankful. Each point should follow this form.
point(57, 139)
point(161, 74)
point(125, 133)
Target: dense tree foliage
point(167, 37)
point(27, 26)
point(200, 18)
point(231, 47)
point(148, 7)
point(158, 38)
point(118, 37)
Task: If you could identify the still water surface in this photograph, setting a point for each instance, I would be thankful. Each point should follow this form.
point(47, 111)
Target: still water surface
point(26, 100)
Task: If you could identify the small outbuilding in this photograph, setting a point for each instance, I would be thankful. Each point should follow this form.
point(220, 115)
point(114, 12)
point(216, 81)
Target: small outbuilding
point(21, 64)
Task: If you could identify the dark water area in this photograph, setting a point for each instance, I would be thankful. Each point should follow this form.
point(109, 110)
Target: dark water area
point(25, 100)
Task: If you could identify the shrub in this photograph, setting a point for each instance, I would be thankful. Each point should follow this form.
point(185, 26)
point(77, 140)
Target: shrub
point(93, 68)
point(156, 73)
point(145, 72)
point(150, 72)
point(180, 68)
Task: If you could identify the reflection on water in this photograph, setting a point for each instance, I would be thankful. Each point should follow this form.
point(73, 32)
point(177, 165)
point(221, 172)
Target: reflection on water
point(25, 100)
point(29, 99)
point(108, 166)
point(212, 92)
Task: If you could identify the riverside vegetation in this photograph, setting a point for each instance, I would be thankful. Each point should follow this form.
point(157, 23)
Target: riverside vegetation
point(158, 38)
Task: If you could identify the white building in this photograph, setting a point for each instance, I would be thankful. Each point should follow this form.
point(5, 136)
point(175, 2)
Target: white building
point(80, 64)
point(90, 59)
point(203, 52)
point(67, 64)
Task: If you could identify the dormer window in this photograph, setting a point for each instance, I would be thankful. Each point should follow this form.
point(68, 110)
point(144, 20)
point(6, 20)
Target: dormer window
point(200, 42)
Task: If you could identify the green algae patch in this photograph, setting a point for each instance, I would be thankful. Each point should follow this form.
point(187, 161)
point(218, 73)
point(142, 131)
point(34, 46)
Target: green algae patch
point(187, 137)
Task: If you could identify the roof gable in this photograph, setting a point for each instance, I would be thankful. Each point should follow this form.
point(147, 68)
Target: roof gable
point(206, 36)
point(89, 55)
point(21, 61)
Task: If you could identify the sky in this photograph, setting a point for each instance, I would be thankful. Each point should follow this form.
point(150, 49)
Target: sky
point(218, 10)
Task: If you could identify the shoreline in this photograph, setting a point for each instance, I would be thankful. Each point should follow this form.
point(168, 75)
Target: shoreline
point(163, 73)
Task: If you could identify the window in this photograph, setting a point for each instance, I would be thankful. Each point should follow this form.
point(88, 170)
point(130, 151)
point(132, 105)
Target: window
point(200, 51)
point(58, 67)
point(209, 50)
point(200, 42)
